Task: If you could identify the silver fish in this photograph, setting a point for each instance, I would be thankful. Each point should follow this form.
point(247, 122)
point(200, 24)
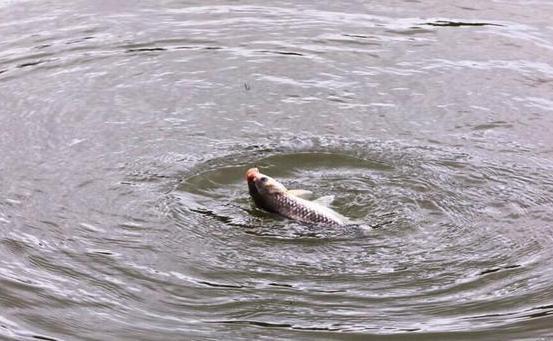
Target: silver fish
point(272, 196)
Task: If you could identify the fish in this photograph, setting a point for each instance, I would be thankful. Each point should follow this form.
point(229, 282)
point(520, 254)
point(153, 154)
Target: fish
point(272, 196)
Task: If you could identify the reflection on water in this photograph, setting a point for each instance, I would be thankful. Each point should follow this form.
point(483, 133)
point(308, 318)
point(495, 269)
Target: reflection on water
point(127, 129)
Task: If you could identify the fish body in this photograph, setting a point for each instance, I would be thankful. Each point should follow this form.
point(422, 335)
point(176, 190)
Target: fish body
point(272, 196)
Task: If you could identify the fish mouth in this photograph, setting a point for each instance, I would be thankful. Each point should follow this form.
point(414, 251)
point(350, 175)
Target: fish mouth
point(251, 174)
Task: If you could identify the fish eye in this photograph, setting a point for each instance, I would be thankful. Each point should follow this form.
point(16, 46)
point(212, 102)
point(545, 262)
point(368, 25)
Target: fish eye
point(264, 179)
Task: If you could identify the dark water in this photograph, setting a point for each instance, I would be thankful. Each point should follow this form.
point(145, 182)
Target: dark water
point(127, 128)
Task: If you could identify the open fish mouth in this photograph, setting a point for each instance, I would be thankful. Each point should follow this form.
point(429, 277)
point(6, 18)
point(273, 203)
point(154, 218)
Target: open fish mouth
point(251, 174)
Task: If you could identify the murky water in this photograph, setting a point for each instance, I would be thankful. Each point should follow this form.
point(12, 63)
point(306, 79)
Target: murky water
point(127, 128)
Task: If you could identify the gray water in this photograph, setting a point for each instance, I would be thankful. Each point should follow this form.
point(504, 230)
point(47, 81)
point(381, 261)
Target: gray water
point(126, 129)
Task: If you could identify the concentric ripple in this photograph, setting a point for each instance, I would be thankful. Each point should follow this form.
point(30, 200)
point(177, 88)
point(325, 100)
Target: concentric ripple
point(128, 126)
point(431, 242)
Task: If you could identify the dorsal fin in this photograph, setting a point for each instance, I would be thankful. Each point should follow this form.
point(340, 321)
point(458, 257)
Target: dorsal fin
point(325, 201)
point(301, 193)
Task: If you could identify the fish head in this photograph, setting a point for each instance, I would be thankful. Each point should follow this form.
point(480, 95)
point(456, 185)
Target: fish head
point(263, 185)
point(263, 189)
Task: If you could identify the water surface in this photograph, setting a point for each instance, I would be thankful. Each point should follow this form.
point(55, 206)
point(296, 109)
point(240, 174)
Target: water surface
point(127, 129)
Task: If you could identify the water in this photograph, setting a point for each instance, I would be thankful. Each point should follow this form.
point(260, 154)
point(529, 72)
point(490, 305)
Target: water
point(127, 129)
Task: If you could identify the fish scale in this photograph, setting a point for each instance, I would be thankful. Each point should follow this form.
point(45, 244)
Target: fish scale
point(272, 196)
point(298, 209)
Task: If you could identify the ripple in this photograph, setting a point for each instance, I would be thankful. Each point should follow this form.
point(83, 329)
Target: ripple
point(441, 236)
point(124, 209)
